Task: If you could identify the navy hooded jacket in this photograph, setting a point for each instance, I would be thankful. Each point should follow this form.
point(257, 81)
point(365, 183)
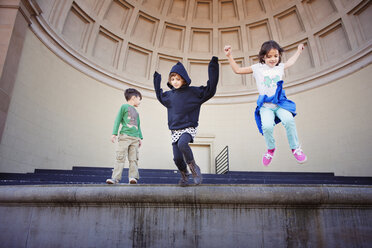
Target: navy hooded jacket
point(184, 104)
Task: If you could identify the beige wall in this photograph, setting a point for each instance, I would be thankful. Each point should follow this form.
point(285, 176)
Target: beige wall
point(59, 118)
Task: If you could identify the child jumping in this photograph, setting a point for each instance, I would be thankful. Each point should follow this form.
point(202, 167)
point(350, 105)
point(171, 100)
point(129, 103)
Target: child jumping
point(183, 103)
point(272, 104)
point(129, 139)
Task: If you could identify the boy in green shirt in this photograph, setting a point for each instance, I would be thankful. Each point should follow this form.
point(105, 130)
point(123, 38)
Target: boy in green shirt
point(129, 139)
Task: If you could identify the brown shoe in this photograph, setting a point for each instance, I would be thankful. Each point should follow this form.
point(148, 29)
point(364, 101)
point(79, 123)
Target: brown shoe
point(184, 181)
point(196, 174)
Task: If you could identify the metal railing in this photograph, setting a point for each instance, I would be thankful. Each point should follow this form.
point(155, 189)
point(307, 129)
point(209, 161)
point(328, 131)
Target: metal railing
point(222, 161)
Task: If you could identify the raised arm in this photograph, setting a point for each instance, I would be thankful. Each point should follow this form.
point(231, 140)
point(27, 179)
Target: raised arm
point(235, 67)
point(158, 90)
point(294, 57)
point(213, 75)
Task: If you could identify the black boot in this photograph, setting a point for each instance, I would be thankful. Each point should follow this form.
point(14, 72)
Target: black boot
point(184, 181)
point(196, 174)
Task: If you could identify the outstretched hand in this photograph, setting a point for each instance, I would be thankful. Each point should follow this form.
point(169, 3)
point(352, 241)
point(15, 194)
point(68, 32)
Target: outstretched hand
point(157, 80)
point(295, 56)
point(156, 74)
point(301, 47)
point(227, 50)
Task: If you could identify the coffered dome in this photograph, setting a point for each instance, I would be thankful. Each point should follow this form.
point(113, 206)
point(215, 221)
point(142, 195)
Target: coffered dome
point(122, 42)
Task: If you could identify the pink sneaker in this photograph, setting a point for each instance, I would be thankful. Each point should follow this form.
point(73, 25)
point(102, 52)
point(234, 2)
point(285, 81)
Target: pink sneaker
point(299, 155)
point(267, 157)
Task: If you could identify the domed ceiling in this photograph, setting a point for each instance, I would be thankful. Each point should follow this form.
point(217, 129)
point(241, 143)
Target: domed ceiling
point(122, 42)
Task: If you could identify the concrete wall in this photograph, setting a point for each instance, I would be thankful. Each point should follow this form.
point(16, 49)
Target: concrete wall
point(59, 118)
point(163, 216)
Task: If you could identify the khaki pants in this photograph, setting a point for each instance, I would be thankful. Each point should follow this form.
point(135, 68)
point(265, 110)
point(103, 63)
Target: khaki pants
point(127, 147)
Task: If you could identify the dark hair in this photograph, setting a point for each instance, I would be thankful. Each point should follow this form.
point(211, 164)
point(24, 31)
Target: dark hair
point(266, 47)
point(128, 93)
point(174, 74)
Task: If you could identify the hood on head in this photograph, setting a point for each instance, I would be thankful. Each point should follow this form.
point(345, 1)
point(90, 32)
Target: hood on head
point(180, 70)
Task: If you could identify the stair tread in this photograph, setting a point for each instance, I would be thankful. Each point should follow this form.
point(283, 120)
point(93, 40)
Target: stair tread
point(98, 175)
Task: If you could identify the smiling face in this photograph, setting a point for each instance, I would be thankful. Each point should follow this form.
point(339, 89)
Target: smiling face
point(176, 81)
point(272, 58)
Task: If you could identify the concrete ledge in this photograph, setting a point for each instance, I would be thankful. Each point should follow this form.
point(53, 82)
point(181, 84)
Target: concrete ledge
point(171, 216)
point(243, 195)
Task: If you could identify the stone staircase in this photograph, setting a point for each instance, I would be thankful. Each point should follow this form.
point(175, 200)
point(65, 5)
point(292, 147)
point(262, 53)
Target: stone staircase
point(98, 175)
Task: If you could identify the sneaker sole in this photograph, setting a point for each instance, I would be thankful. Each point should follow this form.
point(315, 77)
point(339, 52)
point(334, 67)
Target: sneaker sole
point(266, 165)
point(302, 162)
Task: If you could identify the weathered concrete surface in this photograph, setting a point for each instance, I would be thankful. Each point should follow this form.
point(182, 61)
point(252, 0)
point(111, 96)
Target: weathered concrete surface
point(170, 216)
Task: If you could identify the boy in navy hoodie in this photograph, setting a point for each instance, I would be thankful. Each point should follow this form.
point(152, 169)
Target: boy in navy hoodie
point(183, 103)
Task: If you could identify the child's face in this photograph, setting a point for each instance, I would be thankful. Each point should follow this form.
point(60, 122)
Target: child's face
point(136, 101)
point(272, 58)
point(176, 81)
